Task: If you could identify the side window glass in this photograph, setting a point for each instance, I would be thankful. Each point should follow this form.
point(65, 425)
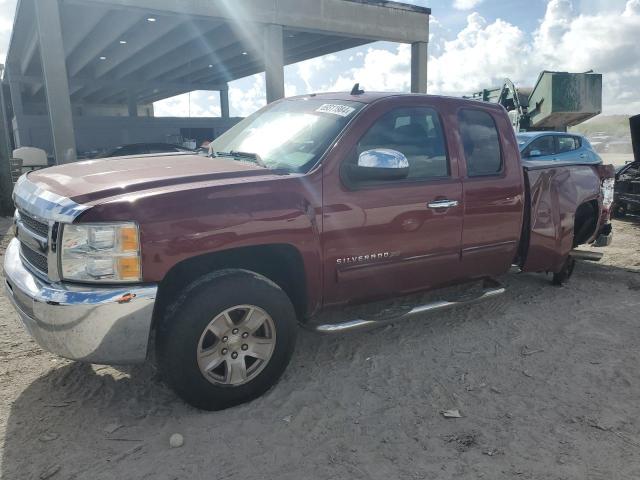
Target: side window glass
point(481, 143)
point(567, 144)
point(417, 134)
point(545, 145)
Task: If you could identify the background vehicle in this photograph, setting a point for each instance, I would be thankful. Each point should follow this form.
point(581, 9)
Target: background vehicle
point(312, 203)
point(557, 147)
point(144, 149)
point(627, 189)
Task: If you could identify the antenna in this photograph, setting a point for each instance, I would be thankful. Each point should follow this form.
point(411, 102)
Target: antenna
point(356, 90)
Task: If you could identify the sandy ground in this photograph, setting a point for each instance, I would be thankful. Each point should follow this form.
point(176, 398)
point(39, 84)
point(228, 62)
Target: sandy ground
point(546, 380)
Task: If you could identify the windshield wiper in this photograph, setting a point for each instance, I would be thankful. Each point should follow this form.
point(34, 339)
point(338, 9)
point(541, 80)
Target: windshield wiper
point(241, 155)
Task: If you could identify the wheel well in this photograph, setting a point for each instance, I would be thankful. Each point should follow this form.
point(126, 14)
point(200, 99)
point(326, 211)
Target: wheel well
point(280, 263)
point(585, 223)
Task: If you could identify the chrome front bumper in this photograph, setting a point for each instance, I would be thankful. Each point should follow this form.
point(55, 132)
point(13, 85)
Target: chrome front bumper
point(89, 323)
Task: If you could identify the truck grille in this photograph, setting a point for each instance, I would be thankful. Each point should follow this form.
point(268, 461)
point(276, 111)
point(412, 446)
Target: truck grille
point(32, 233)
point(35, 259)
point(34, 225)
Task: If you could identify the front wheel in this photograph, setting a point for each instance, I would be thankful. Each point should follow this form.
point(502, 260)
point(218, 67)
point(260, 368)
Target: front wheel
point(227, 339)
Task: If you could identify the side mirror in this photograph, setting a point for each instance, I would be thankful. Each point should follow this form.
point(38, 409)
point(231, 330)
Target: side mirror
point(380, 164)
point(535, 153)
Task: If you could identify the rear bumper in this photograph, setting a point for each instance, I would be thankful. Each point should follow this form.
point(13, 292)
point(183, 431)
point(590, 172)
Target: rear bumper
point(605, 236)
point(93, 324)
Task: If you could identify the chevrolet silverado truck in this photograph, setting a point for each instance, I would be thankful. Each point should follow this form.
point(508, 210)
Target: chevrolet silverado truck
point(312, 204)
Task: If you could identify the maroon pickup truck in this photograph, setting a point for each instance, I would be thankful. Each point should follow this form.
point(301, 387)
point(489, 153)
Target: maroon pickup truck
point(312, 203)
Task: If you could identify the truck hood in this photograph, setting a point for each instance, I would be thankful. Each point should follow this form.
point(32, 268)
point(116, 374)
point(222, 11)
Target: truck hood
point(90, 181)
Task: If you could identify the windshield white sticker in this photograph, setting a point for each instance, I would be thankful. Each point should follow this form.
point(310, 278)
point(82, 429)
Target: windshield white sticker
point(342, 110)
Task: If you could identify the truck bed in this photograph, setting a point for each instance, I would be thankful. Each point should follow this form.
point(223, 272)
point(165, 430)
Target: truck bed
point(550, 211)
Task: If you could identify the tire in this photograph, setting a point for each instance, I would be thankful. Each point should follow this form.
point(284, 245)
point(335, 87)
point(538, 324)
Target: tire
point(211, 316)
point(565, 273)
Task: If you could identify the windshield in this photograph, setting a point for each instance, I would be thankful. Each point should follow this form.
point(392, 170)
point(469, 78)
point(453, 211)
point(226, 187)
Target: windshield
point(290, 135)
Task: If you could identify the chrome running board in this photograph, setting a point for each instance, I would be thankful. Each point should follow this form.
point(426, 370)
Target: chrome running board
point(584, 255)
point(491, 288)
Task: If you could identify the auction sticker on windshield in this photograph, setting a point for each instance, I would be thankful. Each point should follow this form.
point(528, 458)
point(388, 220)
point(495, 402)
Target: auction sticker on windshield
point(342, 110)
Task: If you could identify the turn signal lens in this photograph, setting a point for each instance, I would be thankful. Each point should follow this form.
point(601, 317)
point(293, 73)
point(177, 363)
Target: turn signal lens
point(129, 239)
point(129, 268)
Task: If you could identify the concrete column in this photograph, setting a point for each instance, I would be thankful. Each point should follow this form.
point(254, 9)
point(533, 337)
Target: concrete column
point(224, 103)
point(6, 185)
point(274, 62)
point(15, 90)
point(419, 67)
point(132, 103)
point(56, 81)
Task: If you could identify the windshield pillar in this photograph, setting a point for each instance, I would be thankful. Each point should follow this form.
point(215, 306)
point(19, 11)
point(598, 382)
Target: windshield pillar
point(274, 62)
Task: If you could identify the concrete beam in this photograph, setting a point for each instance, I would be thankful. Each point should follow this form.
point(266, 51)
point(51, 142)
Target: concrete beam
point(54, 68)
point(419, 67)
point(179, 40)
point(110, 31)
point(221, 59)
point(204, 51)
point(274, 62)
point(375, 21)
point(243, 68)
point(148, 34)
point(81, 24)
point(234, 65)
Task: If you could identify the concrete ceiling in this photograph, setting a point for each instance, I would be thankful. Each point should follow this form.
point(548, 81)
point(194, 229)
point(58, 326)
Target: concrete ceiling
point(154, 49)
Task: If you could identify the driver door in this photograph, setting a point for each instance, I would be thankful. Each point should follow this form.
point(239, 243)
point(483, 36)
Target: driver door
point(383, 238)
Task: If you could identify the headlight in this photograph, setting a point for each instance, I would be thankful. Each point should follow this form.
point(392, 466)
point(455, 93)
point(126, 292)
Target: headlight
point(608, 185)
point(101, 253)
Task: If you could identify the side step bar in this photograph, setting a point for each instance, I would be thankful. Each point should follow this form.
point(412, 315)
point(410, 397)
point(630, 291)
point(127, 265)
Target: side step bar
point(491, 288)
point(584, 255)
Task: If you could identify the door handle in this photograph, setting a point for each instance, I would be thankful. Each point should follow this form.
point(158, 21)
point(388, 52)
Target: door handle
point(443, 204)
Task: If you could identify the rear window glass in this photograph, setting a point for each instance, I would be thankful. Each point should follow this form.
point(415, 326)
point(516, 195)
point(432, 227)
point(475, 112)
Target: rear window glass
point(567, 144)
point(481, 143)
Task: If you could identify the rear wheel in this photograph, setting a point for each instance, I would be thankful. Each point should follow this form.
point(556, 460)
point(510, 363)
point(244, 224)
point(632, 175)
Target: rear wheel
point(227, 339)
point(565, 273)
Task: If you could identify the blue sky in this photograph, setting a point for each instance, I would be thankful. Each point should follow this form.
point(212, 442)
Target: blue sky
point(473, 44)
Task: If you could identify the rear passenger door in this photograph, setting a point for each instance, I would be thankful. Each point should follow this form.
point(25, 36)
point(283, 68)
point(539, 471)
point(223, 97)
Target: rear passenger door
point(492, 192)
point(384, 237)
point(567, 148)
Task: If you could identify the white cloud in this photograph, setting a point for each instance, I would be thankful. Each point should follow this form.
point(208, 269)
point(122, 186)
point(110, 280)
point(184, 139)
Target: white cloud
point(466, 4)
point(606, 42)
point(245, 101)
point(483, 54)
point(196, 104)
point(7, 10)
point(381, 70)
point(308, 69)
